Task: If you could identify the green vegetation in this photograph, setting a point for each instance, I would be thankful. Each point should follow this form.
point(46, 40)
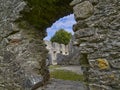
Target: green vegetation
point(54, 66)
point(40, 14)
point(61, 37)
point(66, 75)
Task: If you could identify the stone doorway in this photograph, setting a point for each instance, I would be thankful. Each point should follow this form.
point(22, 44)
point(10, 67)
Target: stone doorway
point(22, 50)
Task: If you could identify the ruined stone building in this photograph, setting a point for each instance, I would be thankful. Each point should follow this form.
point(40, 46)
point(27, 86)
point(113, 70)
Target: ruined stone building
point(63, 54)
point(54, 49)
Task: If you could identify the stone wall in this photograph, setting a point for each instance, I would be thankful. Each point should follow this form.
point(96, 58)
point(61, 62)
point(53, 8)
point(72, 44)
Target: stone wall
point(22, 51)
point(55, 49)
point(63, 54)
point(97, 34)
point(73, 58)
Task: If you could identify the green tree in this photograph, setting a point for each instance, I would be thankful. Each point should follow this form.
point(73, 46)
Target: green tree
point(61, 37)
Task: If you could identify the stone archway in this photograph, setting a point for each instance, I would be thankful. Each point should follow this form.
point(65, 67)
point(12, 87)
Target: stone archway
point(23, 53)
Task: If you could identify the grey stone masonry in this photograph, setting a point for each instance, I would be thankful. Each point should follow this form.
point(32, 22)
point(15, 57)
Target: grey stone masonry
point(97, 34)
point(73, 58)
point(22, 52)
point(54, 49)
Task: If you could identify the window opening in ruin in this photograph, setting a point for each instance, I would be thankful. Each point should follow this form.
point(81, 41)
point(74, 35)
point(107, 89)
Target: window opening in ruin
point(54, 52)
point(65, 52)
point(60, 51)
point(84, 59)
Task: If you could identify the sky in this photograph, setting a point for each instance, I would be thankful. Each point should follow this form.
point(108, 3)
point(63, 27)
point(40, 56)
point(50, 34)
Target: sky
point(63, 23)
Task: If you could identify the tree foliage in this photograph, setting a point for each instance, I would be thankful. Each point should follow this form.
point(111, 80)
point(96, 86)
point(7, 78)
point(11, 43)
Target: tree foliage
point(42, 13)
point(61, 37)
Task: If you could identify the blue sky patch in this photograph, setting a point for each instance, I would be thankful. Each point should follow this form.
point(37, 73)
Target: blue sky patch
point(63, 23)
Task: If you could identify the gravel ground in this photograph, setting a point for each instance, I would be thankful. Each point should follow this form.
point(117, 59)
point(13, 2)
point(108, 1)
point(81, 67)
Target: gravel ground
point(56, 84)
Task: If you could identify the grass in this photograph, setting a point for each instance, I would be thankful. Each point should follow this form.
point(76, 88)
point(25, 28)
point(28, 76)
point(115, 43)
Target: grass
point(54, 66)
point(66, 75)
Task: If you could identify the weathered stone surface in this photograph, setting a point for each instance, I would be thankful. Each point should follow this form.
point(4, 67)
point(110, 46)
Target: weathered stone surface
point(94, 2)
point(22, 52)
point(83, 10)
point(73, 58)
point(74, 2)
point(115, 64)
point(79, 25)
point(21, 62)
point(55, 49)
point(88, 32)
point(103, 64)
point(98, 41)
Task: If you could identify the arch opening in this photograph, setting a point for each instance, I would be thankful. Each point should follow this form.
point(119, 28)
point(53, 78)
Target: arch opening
point(63, 56)
point(66, 23)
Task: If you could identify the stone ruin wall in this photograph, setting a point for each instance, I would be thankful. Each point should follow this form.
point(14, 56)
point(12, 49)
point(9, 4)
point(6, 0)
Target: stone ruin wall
point(63, 54)
point(73, 57)
point(54, 49)
point(22, 51)
point(97, 34)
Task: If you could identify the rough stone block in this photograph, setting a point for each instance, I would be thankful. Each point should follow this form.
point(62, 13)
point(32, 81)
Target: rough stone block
point(115, 64)
point(80, 25)
point(82, 33)
point(83, 10)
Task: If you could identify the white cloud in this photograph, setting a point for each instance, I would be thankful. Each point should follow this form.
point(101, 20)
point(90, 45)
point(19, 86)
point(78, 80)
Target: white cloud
point(64, 23)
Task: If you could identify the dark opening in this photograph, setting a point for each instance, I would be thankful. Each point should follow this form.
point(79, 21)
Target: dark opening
point(54, 52)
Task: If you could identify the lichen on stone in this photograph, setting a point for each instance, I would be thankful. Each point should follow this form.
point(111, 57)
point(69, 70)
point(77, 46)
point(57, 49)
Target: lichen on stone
point(103, 64)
